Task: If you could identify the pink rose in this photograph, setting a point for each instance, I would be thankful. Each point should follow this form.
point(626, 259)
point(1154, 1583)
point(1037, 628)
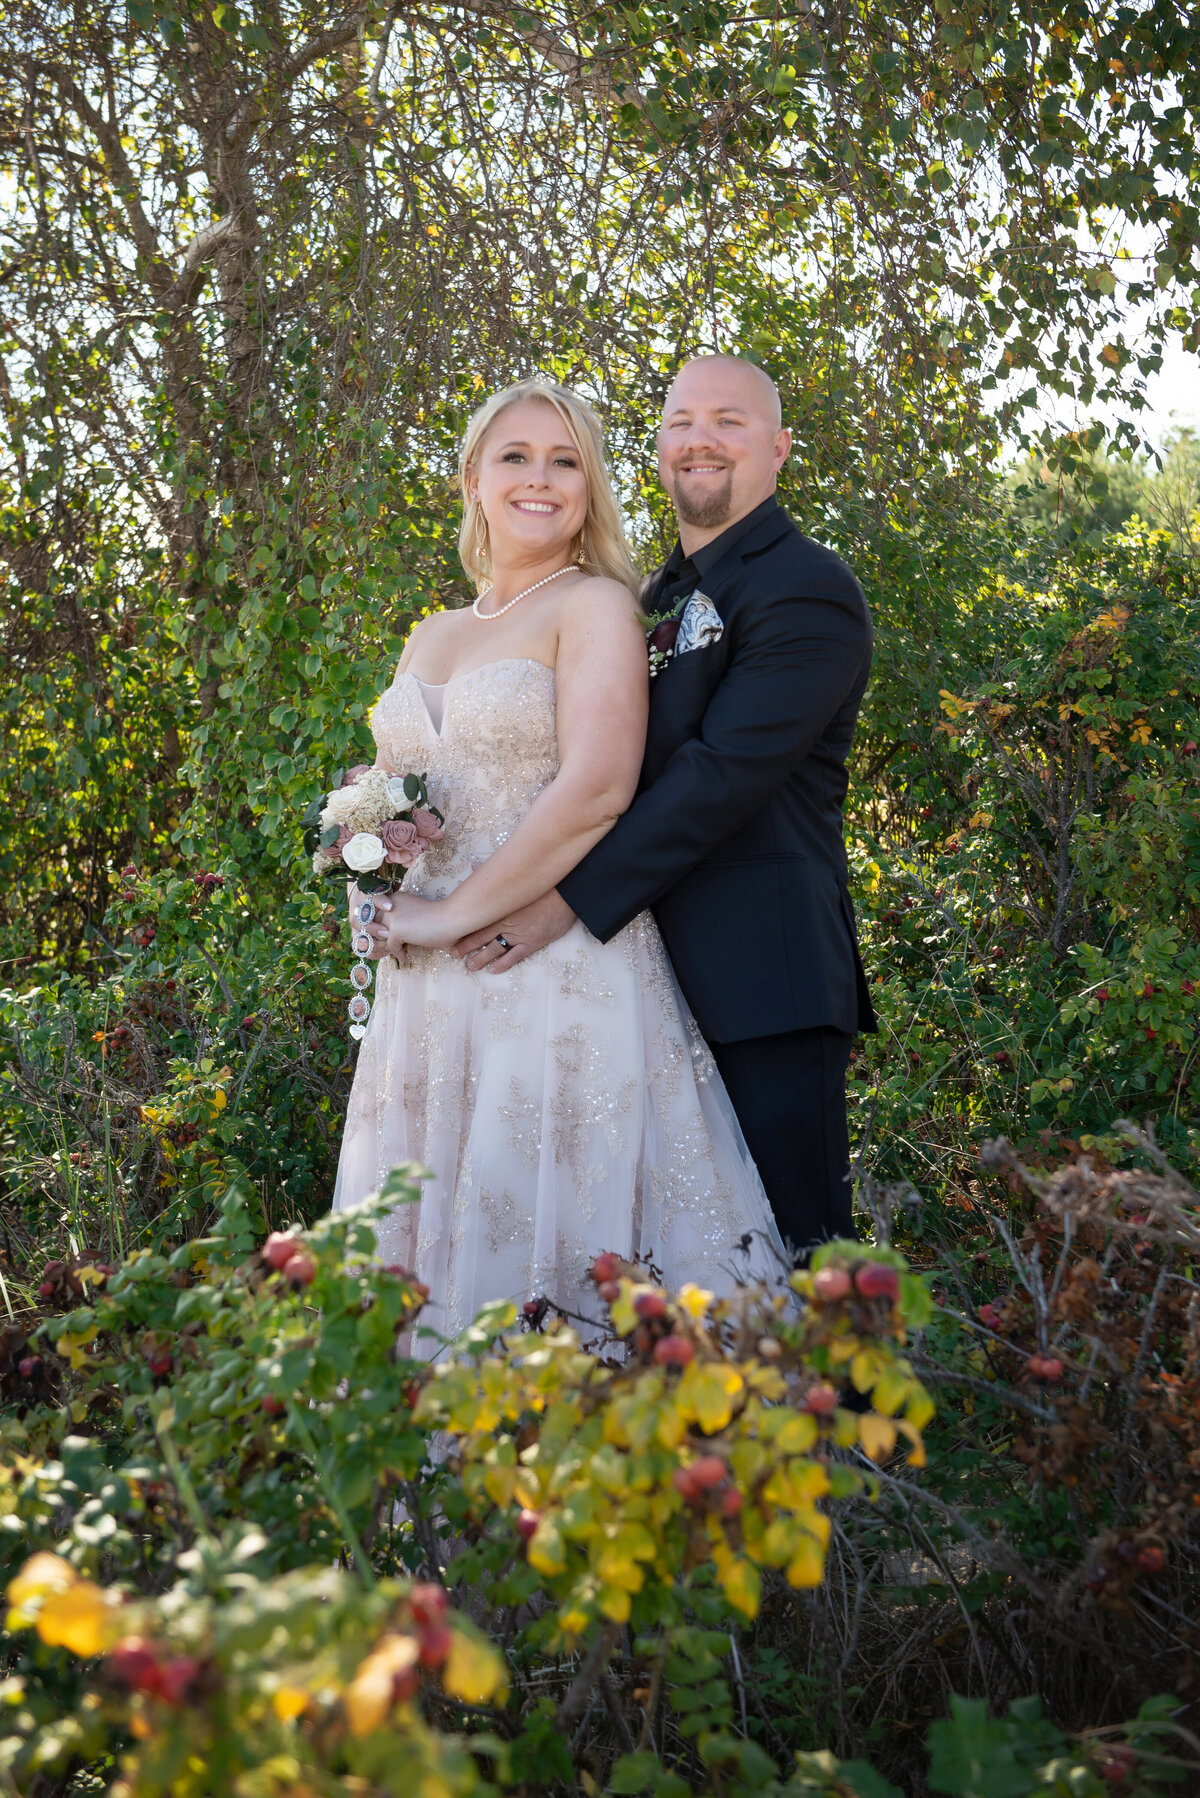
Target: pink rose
point(335, 849)
point(406, 857)
point(399, 837)
point(353, 774)
point(428, 828)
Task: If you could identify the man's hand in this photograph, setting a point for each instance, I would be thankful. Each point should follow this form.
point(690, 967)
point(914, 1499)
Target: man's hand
point(523, 931)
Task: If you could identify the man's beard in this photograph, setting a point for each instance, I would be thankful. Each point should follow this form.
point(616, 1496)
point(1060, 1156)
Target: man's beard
point(707, 509)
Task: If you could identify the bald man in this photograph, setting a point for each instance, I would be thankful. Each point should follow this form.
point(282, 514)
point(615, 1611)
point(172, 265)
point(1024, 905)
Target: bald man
point(734, 839)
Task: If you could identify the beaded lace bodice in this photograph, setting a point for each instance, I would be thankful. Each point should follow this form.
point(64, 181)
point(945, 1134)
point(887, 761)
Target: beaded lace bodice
point(496, 751)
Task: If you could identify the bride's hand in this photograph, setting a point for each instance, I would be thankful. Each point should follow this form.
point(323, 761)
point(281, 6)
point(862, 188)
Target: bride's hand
point(402, 918)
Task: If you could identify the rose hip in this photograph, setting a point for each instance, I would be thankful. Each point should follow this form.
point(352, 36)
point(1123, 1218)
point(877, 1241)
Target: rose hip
point(1047, 1368)
point(673, 1351)
point(429, 1603)
point(831, 1285)
point(708, 1471)
point(875, 1280)
point(820, 1400)
point(650, 1304)
point(527, 1522)
point(605, 1267)
point(300, 1269)
point(279, 1248)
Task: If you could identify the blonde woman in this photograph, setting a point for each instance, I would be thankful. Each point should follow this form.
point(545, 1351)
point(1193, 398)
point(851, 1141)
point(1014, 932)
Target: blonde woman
point(569, 1105)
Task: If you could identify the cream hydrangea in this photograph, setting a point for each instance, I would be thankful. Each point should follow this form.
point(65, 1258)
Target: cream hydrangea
point(362, 807)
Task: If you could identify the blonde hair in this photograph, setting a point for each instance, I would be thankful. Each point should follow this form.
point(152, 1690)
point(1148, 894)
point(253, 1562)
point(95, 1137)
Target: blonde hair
point(600, 545)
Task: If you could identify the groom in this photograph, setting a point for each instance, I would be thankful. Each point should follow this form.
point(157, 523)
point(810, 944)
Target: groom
point(734, 839)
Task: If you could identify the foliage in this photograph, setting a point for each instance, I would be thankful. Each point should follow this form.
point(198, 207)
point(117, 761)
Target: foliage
point(1028, 862)
point(175, 1618)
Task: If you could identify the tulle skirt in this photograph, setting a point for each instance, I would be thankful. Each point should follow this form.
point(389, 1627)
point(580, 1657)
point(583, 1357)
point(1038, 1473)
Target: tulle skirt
point(565, 1107)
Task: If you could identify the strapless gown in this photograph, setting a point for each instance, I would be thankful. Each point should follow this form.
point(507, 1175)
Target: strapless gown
point(567, 1106)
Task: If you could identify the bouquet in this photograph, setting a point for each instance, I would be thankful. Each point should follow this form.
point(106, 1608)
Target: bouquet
point(372, 826)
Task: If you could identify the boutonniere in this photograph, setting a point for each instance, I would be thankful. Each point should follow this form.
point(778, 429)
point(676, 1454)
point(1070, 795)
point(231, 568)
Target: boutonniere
point(660, 641)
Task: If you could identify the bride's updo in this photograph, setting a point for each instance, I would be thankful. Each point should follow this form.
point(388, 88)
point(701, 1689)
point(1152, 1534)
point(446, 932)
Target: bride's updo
point(600, 546)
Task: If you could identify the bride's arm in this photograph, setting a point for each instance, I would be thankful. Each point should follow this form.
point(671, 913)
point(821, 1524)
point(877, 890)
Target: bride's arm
point(602, 689)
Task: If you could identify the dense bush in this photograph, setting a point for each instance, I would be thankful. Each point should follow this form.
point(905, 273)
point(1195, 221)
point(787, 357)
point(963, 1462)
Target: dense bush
point(594, 1580)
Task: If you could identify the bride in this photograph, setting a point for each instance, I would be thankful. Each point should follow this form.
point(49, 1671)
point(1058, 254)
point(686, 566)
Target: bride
point(569, 1105)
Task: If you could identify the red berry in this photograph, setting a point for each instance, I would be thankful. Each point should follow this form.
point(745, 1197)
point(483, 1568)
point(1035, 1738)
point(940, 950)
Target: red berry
point(820, 1400)
point(605, 1267)
point(1147, 990)
point(435, 1644)
point(134, 1663)
point(990, 1317)
point(531, 1307)
point(1047, 1368)
point(1151, 1559)
point(1186, 986)
point(274, 1407)
point(1096, 1578)
point(708, 1471)
point(29, 1366)
point(609, 1291)
point(831, 1285)
point(177, 1677)
point(874, 1280)
point(279, 1248)
point(429, 1603)
point(47, 1289)
point(673, 1351)
point(1117, 1764)
point(1102, 994)
point(684, 1481)
point(731, 1503)
point(406, 1683)
point(300, 1270)
point(527, 1522)
point(1150, 1034)
point(650, 1304)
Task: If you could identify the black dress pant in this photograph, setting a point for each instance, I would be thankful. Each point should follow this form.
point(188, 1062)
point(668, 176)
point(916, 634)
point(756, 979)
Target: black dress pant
point(789, 1093)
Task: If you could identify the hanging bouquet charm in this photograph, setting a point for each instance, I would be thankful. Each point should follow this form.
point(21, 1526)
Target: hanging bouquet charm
point(373, 826)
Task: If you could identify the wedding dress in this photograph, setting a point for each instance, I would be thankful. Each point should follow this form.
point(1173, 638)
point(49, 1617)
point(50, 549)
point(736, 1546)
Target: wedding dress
point(564, 1107)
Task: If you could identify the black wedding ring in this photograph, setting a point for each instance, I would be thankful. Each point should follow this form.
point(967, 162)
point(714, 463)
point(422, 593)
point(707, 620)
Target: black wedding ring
point(502, 940)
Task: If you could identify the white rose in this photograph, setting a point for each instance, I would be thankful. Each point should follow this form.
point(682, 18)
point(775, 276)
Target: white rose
point(395, 791)
point(363, 853)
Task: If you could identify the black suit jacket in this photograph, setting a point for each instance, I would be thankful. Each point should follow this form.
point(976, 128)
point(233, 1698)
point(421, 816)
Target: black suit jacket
point(735, 835)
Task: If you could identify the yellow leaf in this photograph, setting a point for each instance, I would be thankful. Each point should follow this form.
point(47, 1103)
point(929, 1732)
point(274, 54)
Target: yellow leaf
point(867, 1366)
point(743, 1586)
point(474, 1670)
point(920, 1408)
point(289, 1702)
point(694, 1300)
point(807, 1565)
point(624, 1317)
point(546, 1551)
point(368, 1697)
point(707, 1391)
point(796, 1434)
point(40, 1575)
point(79, 1618)
point(877, 1435)
point(916, 1455)
point(615, 1602)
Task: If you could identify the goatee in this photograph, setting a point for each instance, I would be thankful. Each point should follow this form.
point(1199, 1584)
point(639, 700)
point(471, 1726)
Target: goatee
point(706, 510)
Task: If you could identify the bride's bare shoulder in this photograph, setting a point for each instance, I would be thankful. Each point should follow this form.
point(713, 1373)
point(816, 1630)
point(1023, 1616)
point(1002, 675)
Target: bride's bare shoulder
point(599, 592)
point(425, 633)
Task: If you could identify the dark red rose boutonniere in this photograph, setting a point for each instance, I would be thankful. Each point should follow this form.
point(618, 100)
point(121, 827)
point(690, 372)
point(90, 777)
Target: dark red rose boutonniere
point(660, 643)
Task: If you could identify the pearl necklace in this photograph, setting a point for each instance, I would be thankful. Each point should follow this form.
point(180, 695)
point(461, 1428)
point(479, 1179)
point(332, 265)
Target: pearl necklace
point(509, 604)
